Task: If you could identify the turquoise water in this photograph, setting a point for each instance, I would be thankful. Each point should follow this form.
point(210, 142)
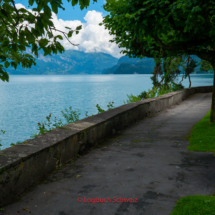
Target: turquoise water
point(27, 100)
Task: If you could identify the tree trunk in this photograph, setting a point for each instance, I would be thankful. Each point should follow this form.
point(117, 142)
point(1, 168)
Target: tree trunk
point(212, 116)
point(189, 81)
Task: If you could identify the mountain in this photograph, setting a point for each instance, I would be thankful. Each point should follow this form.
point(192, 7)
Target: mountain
point(126, 59)
point(126, 68)
point(70, 62)
point(77, 62)
point(128, 65)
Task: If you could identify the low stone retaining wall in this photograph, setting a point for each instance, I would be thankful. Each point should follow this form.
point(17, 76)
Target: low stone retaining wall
point(25, 164)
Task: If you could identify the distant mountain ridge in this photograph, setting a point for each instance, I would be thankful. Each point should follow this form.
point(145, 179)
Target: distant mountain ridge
point(78, 62)
point(126, 65)
point(70, 62)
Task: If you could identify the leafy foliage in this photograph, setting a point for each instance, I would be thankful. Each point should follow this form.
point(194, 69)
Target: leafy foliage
point(205, 66)
point(109, 106)
point(154, 92)
point(132, 98)
point(100, 110)
point(165, 28)
point(13, 144)
point(70, 116)
point(20, 29)
point(167, 70)
point(161, 29)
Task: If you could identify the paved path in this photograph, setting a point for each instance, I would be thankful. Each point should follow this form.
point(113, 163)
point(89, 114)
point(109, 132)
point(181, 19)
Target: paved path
point(147, 161)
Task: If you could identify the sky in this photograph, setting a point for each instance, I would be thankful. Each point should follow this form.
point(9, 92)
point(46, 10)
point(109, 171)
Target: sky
point(92, 37)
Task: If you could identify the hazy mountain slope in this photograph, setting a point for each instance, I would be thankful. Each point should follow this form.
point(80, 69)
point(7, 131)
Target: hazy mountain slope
point(77, 62)
point(126, 68)
point(145, 65)
point(128, 65)
point(70, 62)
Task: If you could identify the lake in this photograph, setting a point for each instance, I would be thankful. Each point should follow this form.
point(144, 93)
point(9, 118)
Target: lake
point(27, 100)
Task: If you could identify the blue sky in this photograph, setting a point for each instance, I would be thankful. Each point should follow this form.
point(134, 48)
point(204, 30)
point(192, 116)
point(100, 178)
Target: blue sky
point(92, 37)
point(73, 13)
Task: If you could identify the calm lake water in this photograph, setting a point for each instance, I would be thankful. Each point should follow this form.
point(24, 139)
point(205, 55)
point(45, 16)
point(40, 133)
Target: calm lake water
point(27, 100)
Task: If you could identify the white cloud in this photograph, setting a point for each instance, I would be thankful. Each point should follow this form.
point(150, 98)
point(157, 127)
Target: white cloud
point(93, 17)
point(91, 38)
point(18, 6)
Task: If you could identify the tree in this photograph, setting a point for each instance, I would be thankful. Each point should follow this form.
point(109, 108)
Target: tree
point(165, 28)
point(167, 70)
point(205, 66)
point(20, 28)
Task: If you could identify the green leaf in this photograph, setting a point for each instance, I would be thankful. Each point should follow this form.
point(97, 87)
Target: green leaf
point(79, 27)
point(40, 5)
point(29, 36)
point(43, 42)
point(3, 75)
point(74, 2)
point(127, 15)
point(59, 36)
point(70, 33)
point(14, 47)
point(4, 12)
point(54, 7)
point(31, 2)
point(39, 25)
point(6, 64)
point(35, 32)
point(49, 35)
point(47, 11)
point(35, 9)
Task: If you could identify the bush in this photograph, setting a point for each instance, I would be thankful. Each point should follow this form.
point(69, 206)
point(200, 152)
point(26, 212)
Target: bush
point(70, 116)
point(154, 92)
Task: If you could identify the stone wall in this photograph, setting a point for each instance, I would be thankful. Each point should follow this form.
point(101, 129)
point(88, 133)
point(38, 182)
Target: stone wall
point(23, 165)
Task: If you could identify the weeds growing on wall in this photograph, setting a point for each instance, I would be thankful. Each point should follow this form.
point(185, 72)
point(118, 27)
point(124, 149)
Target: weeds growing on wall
point(109, 106)
point(13, 144)
point(154, 92)
point(1, 132)
point(100, 110)
point(71, 115)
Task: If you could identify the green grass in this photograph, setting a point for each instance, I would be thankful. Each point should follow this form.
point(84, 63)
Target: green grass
point(195, 205)
point(202, 137)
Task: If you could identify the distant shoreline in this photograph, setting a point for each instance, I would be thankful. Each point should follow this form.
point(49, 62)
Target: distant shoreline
point(198, 73)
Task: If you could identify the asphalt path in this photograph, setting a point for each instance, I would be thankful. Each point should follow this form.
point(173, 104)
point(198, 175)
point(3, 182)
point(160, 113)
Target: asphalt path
point(142, 170)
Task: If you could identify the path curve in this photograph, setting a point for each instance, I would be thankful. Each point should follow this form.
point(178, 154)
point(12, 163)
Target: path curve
point(147, 163)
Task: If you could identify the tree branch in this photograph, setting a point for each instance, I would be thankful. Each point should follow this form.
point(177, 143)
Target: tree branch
point(64, 33)
point(5, 25)
point(17, 21)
